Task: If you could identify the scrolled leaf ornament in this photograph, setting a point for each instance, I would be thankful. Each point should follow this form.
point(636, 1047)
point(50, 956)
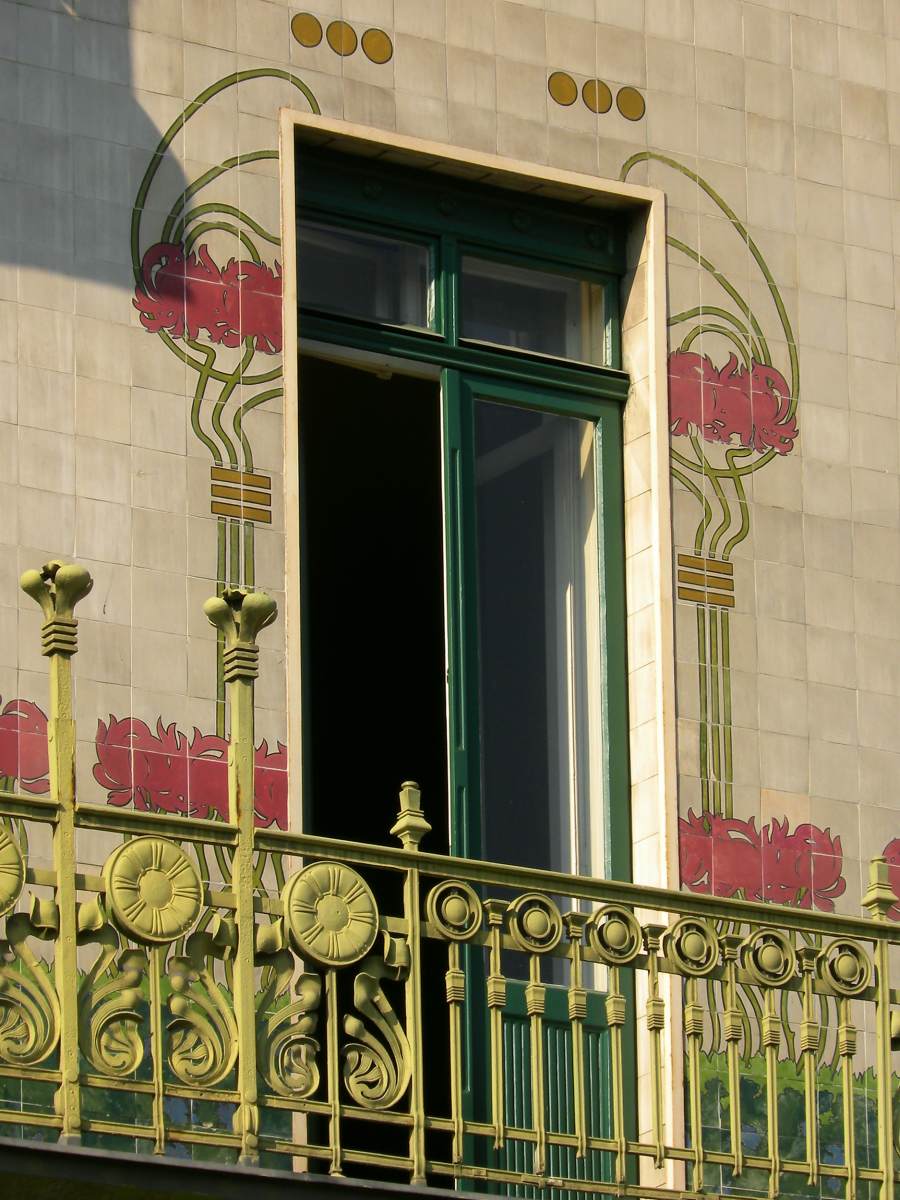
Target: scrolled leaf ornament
point(331, 913)
point(12, 872)
point(286, 1050)
point(110, 1010)
point(29, 1006)
point(153, 890)
point(454, 909)
point(846, 967)
point(693, 946)
point(615, 935)
point(203, 1032)
point(768, 958)
point(377, 1073)
point(535, 923)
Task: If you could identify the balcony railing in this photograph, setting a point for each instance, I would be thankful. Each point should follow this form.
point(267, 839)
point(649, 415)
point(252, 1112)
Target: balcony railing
point(355, 1009)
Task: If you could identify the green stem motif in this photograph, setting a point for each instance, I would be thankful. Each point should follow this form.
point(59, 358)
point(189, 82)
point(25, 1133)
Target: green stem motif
point(745, 335)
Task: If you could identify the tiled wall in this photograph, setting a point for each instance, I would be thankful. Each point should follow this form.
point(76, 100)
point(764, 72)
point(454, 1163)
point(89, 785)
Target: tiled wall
point(772, 128)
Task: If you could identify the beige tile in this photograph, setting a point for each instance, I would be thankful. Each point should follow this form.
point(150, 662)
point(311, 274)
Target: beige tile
point(718, 24)
point(470, 23)
point(471, 78)
point(670, 19)
point(784, 762)
point(863, 112)
point(421, 116)
point(814, 45)
point(829, 600)
point(421, 18)
point(571, 43)
point(46, 460)
point(102, 531)
point(861, 57)
point(45, 400)
point(834, 773)
point(770, 145)
point(210, 22)
point(521, 90)
point(102, 470)
point(832, 713)
point(871, 332)
point(819, 155)
point(159, 480)
point(473, 127)
point(867, 167)
point(780, 591)
point(159, 540)
point(621, 56)
point(520, 33)
point(782, 648)
point(874, 442)
point(821, 267)
point(876, 497)
point(879, 721)
point(159, 662)
point(721, 133)
point(820, 211)
point(670, 67)
point(826, 433)
point(766, 34)
point(872, 387)
point(817, 101)
point(47, 519)
point(876, 553)
point(720, 78)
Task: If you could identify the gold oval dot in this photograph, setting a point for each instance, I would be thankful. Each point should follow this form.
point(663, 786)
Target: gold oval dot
point(597, 96)
point(307, 29)
point(630, 103)
point(562, 88)
point(341, 38)
point(377, 46)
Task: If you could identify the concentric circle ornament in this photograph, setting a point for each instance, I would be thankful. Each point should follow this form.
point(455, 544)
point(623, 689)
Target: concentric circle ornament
point(152, 889)
point(615, 935)
point(693, 946)
point(535, 923)
point(12, 872)
point(454, 909)
point(769, 958)
point(846, 967)
point(331, 913)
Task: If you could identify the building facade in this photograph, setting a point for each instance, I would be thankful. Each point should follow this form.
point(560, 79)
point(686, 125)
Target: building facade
point(537, 358)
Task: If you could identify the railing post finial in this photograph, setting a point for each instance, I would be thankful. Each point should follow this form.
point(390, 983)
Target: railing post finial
point(57, 588)
point(410, 826)
point(879, 898)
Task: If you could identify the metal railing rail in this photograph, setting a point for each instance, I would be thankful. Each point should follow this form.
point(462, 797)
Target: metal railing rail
point(214, 985)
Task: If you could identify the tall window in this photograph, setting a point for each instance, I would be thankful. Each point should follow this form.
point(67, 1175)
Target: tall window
point(460, 433)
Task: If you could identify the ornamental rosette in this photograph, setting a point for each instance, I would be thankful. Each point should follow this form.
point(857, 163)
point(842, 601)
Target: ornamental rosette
point(153, 890)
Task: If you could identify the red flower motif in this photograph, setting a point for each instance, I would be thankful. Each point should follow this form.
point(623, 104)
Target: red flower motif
point(722, 404)
point(23, 746)
point(183, 294)
point(723, 856)
point(720, 856)
point(803, 868)
point(164, 772)
point(892, 854)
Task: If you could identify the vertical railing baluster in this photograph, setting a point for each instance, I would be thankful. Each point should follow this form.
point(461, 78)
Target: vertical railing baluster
point(575, 926)
point(333, 1062)
point(57, 589)
point(615, 1018)
point(496, 998)
point(847, 1049)
point(733, 1030)
point(240, 616)
point(157, 1051)
point(535, 996)
point(879, 900)
point(410, 827)
point(455, 982)
point(771, 1039)
point(810, 1031)
point(656, 1022)
point(693, 1029)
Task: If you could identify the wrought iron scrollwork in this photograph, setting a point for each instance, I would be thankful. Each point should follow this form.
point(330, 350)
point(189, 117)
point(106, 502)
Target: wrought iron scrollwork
point(29, 1005)
point(377, 1073)
point(110, 1000)
point(203, 1033)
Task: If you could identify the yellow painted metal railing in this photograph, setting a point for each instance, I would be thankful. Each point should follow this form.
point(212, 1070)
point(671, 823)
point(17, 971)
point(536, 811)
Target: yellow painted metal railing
point(353, 1008)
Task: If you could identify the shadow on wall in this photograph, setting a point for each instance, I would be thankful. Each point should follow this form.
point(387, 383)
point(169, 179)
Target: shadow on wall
point(79, 125)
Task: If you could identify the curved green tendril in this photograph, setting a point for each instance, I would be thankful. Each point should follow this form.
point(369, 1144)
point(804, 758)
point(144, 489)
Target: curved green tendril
point(238, 420)
point(168, 137)
point(692, 334)
point(229, 210)
point(224, 396)
point(692, 487)
point(712, 310)
point(221, 227)
point(208, 176)
point(738, 225)
point(761, 348)
point(197, 406)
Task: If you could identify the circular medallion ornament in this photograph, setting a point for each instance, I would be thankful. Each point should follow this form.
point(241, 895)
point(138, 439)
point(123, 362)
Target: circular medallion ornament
point(597, 96)
point(535, 923)
point(331, 913)
point(12, 872)
point(693, 945)
point(615, 935)
point(769, 958)
point(846, 967)
point(152, 889)
point(454, 909)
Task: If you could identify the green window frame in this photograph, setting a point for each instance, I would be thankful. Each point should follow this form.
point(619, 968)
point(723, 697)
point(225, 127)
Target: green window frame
point(585, 241)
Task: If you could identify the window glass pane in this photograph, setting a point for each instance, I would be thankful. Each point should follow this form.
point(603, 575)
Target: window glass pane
point(531, 310)
point(360, 274)
point(539, 631)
